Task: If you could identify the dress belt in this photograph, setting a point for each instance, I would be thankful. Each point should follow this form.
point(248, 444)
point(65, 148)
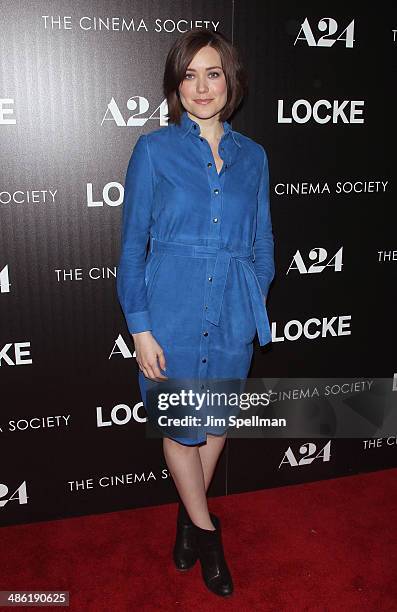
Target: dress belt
point(221, 269)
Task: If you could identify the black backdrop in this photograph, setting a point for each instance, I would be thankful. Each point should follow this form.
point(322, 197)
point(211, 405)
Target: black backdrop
point(75, 94)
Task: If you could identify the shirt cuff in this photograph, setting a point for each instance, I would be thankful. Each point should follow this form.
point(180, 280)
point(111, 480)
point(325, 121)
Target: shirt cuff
point(139, 322)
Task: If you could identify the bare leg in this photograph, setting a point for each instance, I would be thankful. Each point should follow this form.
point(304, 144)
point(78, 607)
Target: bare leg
point(184, 463)
point(209, 455)
point(192, 468)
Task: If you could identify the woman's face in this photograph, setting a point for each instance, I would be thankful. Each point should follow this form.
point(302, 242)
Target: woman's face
point(204, 80)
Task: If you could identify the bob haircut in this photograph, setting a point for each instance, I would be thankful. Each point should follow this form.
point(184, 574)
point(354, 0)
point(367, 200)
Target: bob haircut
point(181, 54)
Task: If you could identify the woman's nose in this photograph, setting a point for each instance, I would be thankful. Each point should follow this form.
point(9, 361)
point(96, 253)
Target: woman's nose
point(202, 85)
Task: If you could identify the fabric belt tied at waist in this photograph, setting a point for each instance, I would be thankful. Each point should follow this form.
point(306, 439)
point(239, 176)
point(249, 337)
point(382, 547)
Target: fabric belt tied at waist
point(221, 269)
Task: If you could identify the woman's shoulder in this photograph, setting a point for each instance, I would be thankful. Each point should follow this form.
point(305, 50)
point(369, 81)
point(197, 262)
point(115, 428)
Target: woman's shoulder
point(161, 135)
point(249, 142)
point(249, 145)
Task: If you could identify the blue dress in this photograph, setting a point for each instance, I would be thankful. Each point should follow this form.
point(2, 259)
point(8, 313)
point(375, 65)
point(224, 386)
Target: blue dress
point(202, 287)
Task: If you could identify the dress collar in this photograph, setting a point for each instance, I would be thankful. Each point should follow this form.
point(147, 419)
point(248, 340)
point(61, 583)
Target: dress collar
point(187, 125)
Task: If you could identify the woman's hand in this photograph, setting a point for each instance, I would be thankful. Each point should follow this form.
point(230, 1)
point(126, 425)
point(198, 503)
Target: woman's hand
point(147, 351)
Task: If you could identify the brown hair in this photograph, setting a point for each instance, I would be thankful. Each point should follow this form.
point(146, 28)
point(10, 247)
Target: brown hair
point(181, 54)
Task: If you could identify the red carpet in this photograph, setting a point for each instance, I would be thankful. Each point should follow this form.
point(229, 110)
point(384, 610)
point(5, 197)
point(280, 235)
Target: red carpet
point(320, 547)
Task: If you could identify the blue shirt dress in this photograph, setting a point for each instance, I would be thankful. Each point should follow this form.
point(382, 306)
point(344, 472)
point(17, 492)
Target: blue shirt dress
point(202, 287)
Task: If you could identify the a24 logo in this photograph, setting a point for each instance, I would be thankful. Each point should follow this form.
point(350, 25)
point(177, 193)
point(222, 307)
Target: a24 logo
point(309, 452)
point(137, 105)
point(330, 27)
point(319, 256)
point(19, 495)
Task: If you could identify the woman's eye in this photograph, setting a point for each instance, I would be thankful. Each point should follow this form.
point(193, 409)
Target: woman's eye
point(210, 73)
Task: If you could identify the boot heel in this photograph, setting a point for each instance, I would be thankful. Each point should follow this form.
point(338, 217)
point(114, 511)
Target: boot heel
point(214, 569)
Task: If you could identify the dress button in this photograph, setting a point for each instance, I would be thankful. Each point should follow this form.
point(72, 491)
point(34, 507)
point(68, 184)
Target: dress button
point(209, 164)
point(204, 360)
point(205, 333)
point(215, 219)
point(216, 191)
point(210, 278)
point(205, 307)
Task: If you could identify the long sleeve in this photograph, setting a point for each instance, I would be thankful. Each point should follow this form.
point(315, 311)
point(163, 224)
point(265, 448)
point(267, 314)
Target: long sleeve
point(136, 220)
point(264, 242)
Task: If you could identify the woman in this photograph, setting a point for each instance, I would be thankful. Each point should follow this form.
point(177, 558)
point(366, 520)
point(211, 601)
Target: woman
point(200, 191)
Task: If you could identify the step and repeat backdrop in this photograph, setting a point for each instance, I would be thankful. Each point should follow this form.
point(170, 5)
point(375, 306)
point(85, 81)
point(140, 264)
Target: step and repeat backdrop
point(79, 82)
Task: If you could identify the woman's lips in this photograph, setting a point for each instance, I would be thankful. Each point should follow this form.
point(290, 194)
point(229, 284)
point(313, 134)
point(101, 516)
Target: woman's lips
point(203, 101)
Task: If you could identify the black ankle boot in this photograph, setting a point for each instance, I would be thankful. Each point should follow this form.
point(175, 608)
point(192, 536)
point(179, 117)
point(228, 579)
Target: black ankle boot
point(185, 551)
point(214, 569)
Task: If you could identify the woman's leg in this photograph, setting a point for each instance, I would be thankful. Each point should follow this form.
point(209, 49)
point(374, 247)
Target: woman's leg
point(184, 463)
point(192, 469)
point(209, 455)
